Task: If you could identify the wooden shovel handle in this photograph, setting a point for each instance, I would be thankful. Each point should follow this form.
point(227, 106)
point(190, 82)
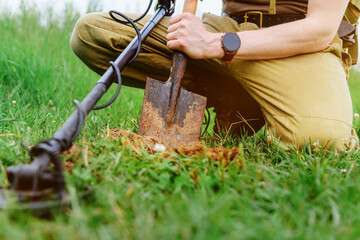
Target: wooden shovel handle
point(178, 67)
point(190, 6)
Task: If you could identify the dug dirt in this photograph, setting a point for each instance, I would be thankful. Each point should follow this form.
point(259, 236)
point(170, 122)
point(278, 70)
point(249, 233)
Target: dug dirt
point(153, 145)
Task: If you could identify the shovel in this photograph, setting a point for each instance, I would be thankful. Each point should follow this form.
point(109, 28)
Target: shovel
point(170, 112)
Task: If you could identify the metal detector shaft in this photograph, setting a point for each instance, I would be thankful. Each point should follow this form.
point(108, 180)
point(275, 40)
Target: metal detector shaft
point(68, 129)
point(34, 177)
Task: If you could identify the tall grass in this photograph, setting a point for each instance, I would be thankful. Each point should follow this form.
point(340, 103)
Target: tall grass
point(40, 76)
point(273, 195)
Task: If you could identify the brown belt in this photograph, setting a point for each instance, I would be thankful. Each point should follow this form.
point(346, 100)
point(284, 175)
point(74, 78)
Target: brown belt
point(266, 20)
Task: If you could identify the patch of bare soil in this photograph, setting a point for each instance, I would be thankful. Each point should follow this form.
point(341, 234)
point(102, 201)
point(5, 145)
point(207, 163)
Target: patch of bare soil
point(73, 155)
point(150, 144)
point(219, 154)
point(153, 144)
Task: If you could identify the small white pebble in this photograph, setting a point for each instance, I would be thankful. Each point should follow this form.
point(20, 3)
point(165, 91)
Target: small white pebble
point(356, 116)
point(316, 144)
point(343, 170)
point(13, 102)
point(159, 147)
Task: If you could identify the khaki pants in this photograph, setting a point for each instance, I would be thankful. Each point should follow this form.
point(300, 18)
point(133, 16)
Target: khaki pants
point(301, 99)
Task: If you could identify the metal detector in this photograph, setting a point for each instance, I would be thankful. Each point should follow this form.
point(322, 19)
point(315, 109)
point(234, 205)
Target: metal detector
point(40, 185)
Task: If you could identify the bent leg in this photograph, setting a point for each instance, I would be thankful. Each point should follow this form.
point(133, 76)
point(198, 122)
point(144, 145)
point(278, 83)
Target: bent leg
point(98, 39)
point(304, 98)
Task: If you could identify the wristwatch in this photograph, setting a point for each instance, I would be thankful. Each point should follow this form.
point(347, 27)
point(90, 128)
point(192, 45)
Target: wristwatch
point(231, 43)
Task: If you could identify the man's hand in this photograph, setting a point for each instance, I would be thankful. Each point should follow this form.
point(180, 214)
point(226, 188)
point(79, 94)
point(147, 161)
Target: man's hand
point(188, 34)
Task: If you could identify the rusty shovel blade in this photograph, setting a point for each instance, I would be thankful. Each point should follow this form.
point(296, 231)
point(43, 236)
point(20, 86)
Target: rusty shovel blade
point(169, 112)
point(185, 126)
point(187, 120)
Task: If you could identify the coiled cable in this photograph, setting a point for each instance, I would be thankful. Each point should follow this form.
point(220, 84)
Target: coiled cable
point(112, 13)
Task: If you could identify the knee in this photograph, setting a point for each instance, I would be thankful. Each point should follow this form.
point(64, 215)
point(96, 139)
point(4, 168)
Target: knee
point(80, 34)
point(318, 133)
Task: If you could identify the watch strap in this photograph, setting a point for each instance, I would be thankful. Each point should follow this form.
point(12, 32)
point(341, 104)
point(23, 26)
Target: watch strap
point(228, 56)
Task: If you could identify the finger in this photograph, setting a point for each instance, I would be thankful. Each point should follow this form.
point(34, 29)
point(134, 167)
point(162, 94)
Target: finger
point(179, 34)
point(182, 16)
point(173, 27)
point(175, 19)
point(175, 45)
point(171, 36)
point(183, 24)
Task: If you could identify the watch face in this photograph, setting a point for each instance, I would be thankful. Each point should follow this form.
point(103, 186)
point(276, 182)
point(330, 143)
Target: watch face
point(231, 42)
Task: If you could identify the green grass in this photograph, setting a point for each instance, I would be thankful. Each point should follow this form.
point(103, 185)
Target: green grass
point(274, 195)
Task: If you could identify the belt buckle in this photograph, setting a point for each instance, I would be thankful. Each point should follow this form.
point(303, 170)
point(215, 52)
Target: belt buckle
point(254, 12)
